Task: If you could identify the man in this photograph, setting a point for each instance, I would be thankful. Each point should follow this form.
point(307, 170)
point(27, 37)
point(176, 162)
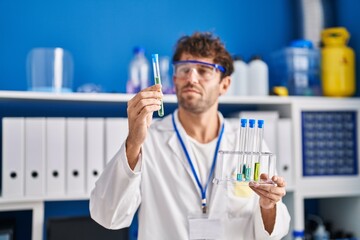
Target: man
point(166, 167)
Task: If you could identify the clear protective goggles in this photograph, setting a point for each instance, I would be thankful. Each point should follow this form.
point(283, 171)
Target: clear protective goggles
point(203, 70)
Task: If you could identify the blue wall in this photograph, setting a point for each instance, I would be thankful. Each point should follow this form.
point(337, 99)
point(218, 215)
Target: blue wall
point(101, 34)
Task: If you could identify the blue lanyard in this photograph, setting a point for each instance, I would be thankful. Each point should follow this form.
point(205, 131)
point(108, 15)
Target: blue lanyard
point(203, 190)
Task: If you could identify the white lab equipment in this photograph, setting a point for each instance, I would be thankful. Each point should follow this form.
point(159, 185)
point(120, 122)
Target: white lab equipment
point(157, 78)
point(258, 77)
point(50, 70)
point(138, 71)
point(239, 78)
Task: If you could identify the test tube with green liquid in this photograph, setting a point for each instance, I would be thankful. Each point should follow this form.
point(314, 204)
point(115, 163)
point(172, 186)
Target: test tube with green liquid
point(156, 70)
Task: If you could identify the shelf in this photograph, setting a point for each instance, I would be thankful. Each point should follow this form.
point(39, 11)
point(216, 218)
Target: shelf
point(168, 98)
point(42, 199)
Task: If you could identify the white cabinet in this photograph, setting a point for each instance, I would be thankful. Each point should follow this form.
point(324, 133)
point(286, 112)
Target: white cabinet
point(338, 193)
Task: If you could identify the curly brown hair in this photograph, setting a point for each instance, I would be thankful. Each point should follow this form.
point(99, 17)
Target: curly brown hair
point(205, 45)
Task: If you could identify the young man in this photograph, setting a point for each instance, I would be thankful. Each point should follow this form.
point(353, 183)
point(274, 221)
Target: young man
point(166, 167)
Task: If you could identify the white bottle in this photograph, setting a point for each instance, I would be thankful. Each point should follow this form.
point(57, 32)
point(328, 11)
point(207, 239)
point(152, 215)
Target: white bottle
point(240, 77)
point(238, 85)
point(138, 72)
point(321, 233)
point(258, 77)
point(164, 64)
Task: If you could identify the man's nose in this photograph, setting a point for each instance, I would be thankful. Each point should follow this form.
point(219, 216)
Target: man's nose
point(193, 76)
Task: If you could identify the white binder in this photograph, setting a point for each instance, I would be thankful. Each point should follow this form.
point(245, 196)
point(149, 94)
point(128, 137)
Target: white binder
point(285, 156)
point(75, 163)
point(116, 133)
point(34, 156)
point(13, 157)
point(94, 150)
point(55, 156)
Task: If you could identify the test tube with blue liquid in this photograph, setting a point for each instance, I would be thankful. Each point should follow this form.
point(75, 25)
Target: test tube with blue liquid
point(250, 149)
point(242, 136)
point(156, 70)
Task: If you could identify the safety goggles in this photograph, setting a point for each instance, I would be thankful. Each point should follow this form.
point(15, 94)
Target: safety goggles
point(203, 70)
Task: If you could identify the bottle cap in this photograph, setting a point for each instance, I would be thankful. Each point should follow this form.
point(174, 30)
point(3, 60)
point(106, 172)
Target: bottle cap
point(138, 49)
point(301, 43)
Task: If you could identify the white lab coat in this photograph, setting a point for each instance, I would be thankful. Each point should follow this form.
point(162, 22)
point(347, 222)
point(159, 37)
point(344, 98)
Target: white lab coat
point(167, 193)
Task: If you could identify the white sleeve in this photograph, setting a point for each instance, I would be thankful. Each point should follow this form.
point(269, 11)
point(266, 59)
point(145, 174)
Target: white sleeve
point(116, 196)
point(282, 223)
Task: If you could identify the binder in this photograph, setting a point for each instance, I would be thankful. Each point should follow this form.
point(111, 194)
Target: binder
point(285, 156)
point(116, 131)
point(55, 156)
point(13, 162)
point(75, 163)
point(95, 153)
point(34, 156)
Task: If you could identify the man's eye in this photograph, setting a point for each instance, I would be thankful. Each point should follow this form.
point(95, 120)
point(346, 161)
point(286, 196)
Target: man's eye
point(184, 70)
point(204, 70)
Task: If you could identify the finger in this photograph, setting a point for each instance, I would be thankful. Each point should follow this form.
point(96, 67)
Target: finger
point(276, 190)
point(264, 176)
point(134, 110)
point(144, 95)
point(268, 195)
point(145, 111)
point(280, 181)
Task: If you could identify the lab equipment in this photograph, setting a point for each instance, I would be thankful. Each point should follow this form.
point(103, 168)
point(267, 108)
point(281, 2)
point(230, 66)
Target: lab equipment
point(337, 65)
point(156, 70)
point(249, 161)
point(138, 72)
point(257, 164)
point(329, 142)
point(242, 136)
point(239, 79)
point(297, 67)
point(258, 77)
point(203, 70)
point(166, 81)
point(50, 70)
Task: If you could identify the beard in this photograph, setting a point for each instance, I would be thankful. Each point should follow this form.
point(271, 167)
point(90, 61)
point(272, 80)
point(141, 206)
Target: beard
point(195, 104)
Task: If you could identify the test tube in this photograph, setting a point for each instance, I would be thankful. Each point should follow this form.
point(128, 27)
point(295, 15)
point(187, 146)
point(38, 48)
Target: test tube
point(258, 148)
point(250, 148)
point(156, 70)
point(242, 136)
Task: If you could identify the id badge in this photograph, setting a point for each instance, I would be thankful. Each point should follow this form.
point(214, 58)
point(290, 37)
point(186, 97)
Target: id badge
point(201, 227)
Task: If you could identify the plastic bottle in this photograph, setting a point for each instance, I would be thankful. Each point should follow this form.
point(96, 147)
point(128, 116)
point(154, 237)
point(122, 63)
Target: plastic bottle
point(298, 235)
point(164, 63)
point(138, 71)
point(337, 63)
point(303, 68)
point(258, 77)
point(321, 233)
point(239, 78)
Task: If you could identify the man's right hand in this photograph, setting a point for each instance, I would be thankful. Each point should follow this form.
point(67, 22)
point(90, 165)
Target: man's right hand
point(140, 111)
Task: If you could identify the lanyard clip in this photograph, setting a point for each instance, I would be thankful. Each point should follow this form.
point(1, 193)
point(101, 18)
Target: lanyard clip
point(203, 205)
point(204, 208)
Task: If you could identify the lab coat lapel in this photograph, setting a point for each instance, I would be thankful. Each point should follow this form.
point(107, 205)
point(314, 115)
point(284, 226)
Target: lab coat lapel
point(218, 192)
point(175, 146)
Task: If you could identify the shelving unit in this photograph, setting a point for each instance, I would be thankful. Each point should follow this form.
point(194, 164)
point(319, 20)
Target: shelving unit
point(331, 190)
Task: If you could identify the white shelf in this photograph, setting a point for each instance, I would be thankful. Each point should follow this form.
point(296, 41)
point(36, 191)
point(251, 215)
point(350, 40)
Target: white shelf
point(44, 198)
point(289, 107)
point(169, 98)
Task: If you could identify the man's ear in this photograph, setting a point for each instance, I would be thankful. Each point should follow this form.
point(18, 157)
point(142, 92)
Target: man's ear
point(224, 85)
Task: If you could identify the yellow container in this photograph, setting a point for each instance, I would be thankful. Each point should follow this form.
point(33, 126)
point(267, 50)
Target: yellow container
point(337, 63)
